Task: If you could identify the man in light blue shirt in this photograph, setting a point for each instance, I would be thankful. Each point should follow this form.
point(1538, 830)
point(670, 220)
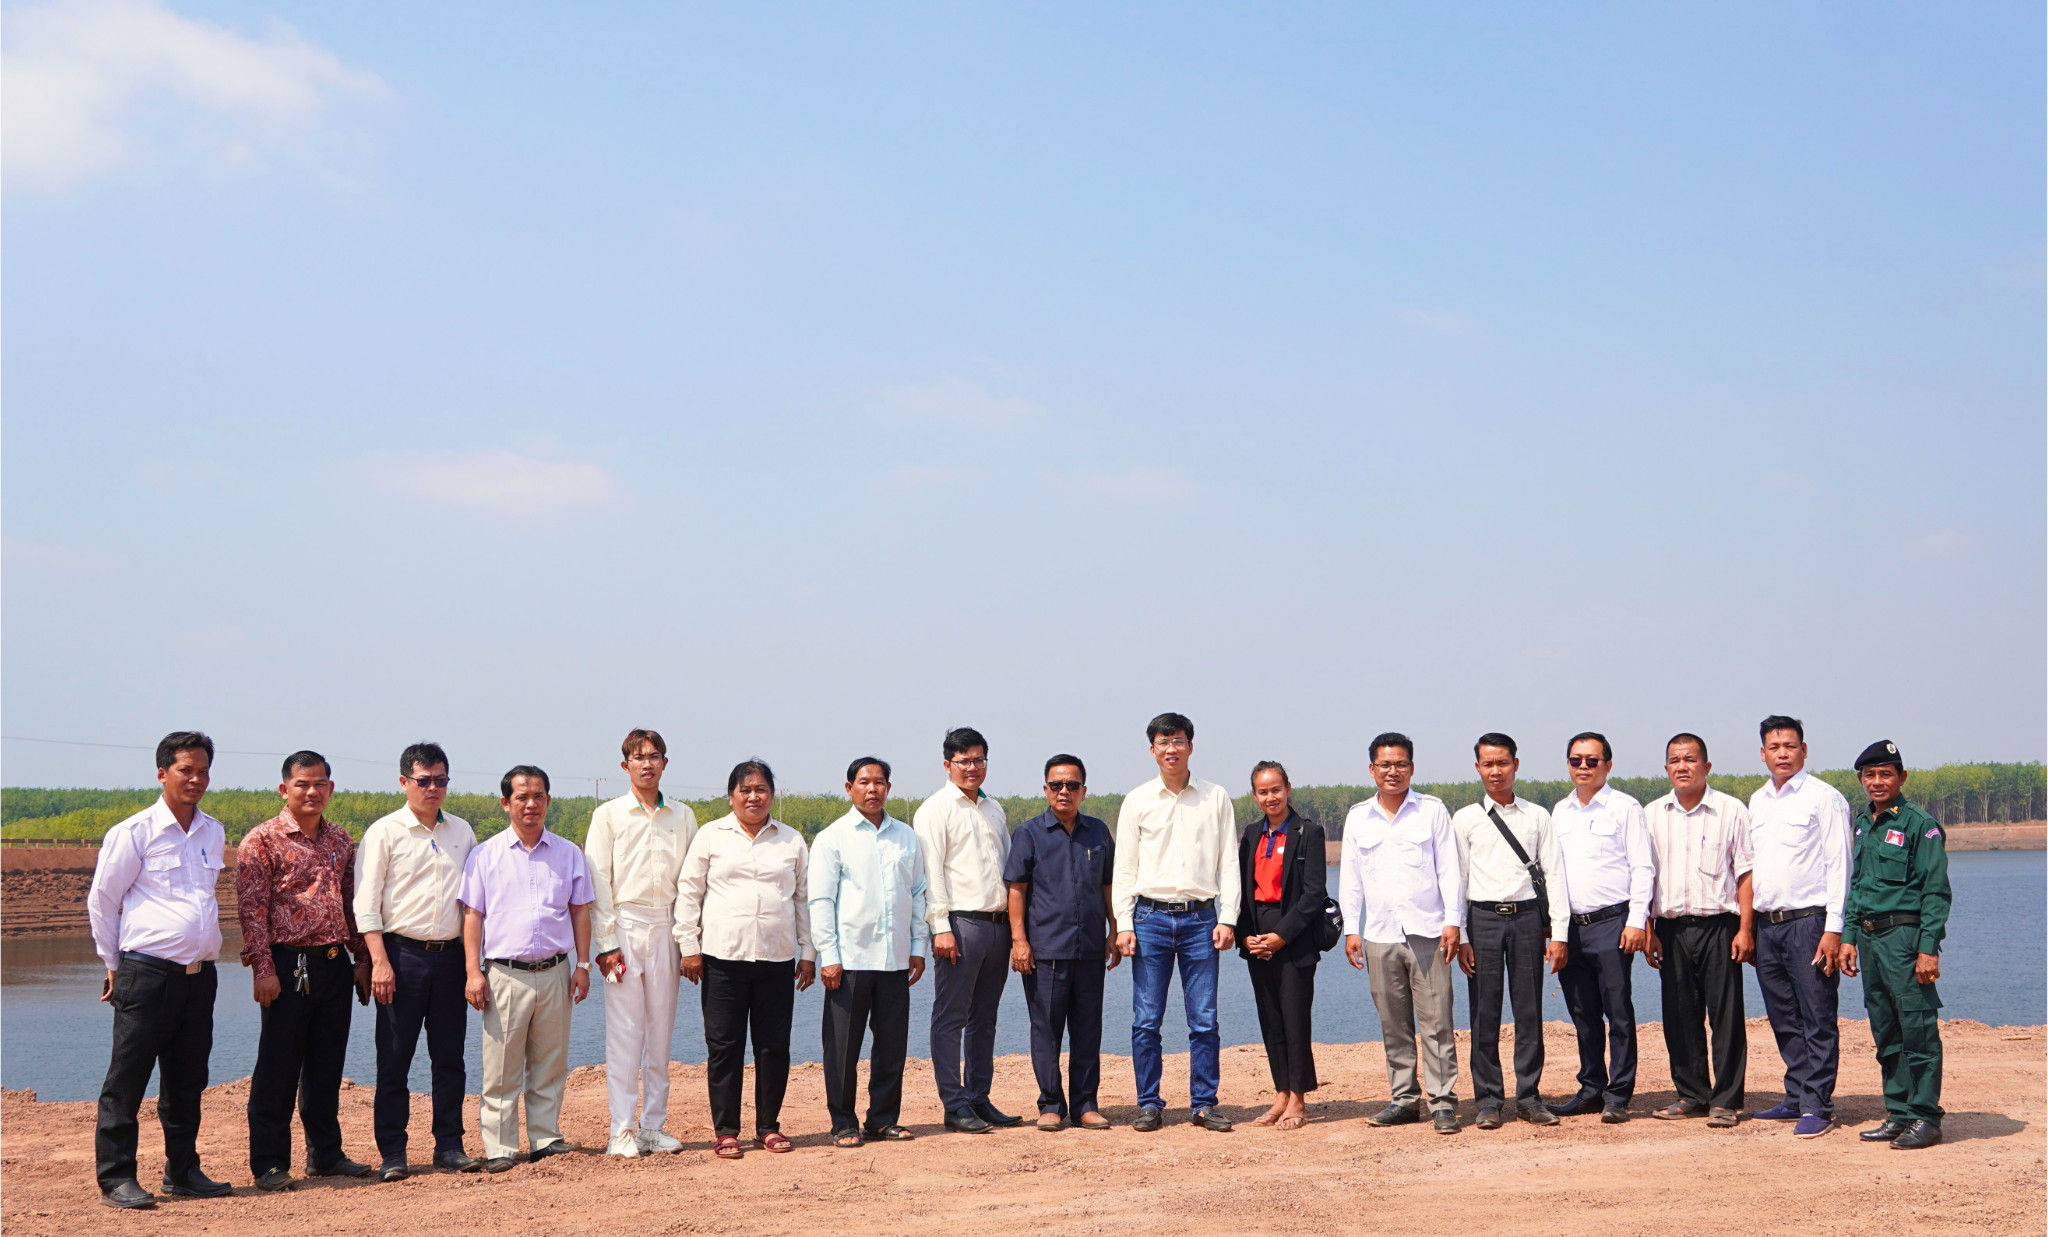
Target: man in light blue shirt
point(867, 894)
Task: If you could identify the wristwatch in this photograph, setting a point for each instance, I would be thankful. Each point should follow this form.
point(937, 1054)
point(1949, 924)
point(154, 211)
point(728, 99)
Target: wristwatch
point(582, 966)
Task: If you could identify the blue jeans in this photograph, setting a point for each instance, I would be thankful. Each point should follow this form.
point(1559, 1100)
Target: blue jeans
point(1163, 937)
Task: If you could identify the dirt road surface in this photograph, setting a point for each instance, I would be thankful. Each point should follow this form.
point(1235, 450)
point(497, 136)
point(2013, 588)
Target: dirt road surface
point(1335, 1175)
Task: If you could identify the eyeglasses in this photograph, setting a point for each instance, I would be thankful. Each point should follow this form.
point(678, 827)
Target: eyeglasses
point(1068, 788)
point(1173, 745)
point(1584, 762)
point(425, 782)
point(1392, 766)
point(647, 758)
point(979, 762)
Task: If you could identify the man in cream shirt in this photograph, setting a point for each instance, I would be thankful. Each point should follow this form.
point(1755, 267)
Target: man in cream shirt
point(408, 872)
point(635, 848)
point(965, 839)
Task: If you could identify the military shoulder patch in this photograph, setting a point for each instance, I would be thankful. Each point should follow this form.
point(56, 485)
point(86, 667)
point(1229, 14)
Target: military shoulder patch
point(1895, 837)
point(1934, 832)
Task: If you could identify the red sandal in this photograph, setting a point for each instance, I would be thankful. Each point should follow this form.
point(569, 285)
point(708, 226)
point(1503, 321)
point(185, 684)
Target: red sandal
point(728, 1147)
point(776, 1141)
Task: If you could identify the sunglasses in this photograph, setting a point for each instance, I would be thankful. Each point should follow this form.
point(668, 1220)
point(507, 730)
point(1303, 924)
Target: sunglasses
point(1584, 762)
point(430, 781)
point(1066, 787)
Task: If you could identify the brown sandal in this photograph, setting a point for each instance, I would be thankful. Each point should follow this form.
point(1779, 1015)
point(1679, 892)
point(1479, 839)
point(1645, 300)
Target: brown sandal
point(728, 1147)
point(775, 1140)
point(846, 1138)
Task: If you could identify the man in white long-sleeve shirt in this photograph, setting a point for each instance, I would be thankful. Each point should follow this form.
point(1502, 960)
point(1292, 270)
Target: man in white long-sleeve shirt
point(1402, 894)
point(1611, 868)
point(1509, 932)
point(635, 848)
point(1800, 846)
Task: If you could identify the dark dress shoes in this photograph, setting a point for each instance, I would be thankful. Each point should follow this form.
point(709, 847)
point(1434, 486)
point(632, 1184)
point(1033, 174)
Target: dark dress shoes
point(1446, 1122)
point(195, 1184)
point(1919, 1134)
point(1394, 1114)
point(1489, 1119)
point(456, 1162)
point(1614, 1114)
point(1892, 1128)
point(966, 1121)
point(1536, 1114)
point(1149, 1119)
point(996, 1116)
point(343, 1167)
point(561, 1146)
point(1577, 1106)
point(499, 1164)
point(391, 1170)
point(128, 1196)
point(1210, 1119)
point(274, 1179)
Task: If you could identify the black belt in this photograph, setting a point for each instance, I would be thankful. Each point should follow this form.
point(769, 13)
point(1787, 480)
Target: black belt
point(985, 916)
point(1508, 908)
point(164, 964)
point(1199, 904)
point(517, 964)
point(1600, 916)
point(1804, 912)
point(432, 947)
point(1885, 923)
point(1687, 921)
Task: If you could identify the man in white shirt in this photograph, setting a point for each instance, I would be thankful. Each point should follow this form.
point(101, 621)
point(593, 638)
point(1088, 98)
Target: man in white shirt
point(1510, 931)
point(1611, 869)
point(966, 839)
point(1402, 894)
point(156, 927)
point(408, 873)
point(1799, 841)
point(635, 847)
point(1705, 931)
point(1175, 889)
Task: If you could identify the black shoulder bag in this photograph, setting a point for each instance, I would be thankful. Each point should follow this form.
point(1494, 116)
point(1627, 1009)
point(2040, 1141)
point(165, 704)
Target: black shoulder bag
point(1535, 872)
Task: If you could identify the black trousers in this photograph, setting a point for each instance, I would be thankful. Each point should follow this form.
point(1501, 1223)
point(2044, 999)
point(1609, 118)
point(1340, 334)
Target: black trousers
point(1508, 954)
point(1064, 997)
point(1701, 983)
point(1803, 1005)
point(163, 1021)
point(965, 998)
point(429, 995)
point(299, 1055)
point(1597, 981)
point(738, 996)
point(1285, 995)
point(880, 999)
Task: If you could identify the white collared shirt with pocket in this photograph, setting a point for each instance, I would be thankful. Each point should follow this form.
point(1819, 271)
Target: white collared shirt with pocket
point(1607, 853)
point(1399, 876)
point(153, 888)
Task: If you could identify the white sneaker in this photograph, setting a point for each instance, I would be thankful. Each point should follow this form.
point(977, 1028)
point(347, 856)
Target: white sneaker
point(624, 1144)
point(652, 1141)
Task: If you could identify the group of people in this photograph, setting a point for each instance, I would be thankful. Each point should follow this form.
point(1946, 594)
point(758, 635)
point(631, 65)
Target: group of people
point(427, 923)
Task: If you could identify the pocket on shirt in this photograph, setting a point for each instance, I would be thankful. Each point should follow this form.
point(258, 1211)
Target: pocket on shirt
point(163, 861)
point(1893, 865)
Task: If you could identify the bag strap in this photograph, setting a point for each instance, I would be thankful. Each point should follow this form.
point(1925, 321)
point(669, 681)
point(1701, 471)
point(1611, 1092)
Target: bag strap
point(1509, 834)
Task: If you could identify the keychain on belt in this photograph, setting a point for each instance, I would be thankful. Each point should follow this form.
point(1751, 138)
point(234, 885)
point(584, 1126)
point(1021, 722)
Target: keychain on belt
point(301, 982)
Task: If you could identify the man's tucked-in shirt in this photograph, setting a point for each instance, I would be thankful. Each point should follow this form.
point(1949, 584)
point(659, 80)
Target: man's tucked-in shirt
point(153, 888)
point(525, 895)
point(408, 875)
point(1176, 848)
point(965, 842)
point(1399, 875)
point(1701, 854)
point(867, 895)
point(1607, 853)
point(1063, 907)
point(294, 890)
point(635, 857)
point(1494, 873)
point(743, 899)
point(1800, 845)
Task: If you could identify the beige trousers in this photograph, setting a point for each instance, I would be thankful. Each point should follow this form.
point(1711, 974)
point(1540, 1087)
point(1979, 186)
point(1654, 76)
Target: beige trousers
point(640, 1019)
point(526, 1048)
point(1411, 987)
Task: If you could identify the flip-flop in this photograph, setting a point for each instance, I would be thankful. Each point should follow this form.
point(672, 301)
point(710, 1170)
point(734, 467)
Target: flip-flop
point(728, 1147)
point(776, 1141)
point(893, 1134)
point(1289, 1123)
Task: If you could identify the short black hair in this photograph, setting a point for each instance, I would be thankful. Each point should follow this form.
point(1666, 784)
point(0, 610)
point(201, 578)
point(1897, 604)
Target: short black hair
point(1686, 736)
point(170, 745)
point(1391, 738)
point(425, 755)
point(962, 739)
point(505, 783)
point(1169, 724)
point(1276, 767)
point(304, 759)
point(753, 764)
point(1778, 721)
point(853, 770)
point(1606, 748)
point(1494, 738)
point(1064, 759)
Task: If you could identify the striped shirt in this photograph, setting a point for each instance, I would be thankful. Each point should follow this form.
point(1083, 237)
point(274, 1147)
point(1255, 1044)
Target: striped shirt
point(1700, 854)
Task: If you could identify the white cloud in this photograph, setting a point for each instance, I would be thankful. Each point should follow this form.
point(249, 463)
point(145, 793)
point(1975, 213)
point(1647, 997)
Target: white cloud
point(1436, 321)
point(1144, 482)
point(88, 86)
point(498, 482)
point(954, 401)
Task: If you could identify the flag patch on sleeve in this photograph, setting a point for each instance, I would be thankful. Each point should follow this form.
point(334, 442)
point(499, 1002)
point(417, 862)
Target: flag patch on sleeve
point(1895, 837)
point(1934, 832)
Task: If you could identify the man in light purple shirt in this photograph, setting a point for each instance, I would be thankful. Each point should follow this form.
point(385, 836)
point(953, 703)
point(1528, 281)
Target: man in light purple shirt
point(526, 898)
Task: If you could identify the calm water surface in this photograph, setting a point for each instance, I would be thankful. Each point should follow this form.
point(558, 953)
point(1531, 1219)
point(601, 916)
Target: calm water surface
point(54, 1033)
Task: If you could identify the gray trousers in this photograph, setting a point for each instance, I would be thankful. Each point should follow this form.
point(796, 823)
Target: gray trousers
point(1411, 988)
point(965, 997)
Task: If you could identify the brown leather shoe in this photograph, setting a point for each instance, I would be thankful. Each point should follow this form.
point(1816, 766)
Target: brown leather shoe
point(1092, 1120)
point(1049, 1121)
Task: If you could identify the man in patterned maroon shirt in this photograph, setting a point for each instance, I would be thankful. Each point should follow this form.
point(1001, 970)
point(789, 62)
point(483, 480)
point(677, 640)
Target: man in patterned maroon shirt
point(295, 881)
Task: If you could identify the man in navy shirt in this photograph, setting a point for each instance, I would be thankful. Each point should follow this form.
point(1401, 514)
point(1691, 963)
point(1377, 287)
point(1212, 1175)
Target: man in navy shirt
point(1058, 872)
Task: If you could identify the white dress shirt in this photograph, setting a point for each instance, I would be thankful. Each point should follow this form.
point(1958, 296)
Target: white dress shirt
point(408, 875)
point(965, 842)
point(1799, 841)
point(153, 888)
point(867, 895)
point(636, 857)
point(1399, 875)
point(743, 899)
point(1700, 854)
point(1607, 853)
point(1176, 848)
point(1494, 874)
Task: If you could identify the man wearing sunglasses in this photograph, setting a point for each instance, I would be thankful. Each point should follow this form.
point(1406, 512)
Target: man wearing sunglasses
point(408, 872)
point(1610, 869)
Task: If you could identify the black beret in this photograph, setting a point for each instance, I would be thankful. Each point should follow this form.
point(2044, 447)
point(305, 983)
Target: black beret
point(1882, 752)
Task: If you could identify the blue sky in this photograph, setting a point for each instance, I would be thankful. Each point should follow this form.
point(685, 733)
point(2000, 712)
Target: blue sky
point(803, 383)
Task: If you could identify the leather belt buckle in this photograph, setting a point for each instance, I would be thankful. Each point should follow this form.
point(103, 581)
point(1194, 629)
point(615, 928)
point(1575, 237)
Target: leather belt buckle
point(1505, 908)
point(333, 952)
point(192, 968)
point(1870, 925)
point(433, 947)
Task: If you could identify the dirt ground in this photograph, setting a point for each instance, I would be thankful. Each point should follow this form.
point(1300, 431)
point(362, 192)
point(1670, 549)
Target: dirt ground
point(1337, 1174)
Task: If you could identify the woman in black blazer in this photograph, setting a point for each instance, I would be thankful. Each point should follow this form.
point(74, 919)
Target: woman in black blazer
point(1277, 935)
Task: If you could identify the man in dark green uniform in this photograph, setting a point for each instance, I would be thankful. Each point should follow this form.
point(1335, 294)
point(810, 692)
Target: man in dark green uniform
point(1896, 916)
